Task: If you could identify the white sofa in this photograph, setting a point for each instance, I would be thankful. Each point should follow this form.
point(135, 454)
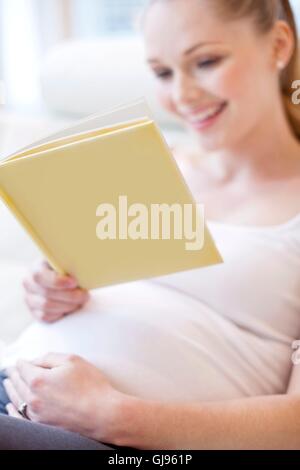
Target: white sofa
point(78, 78)
point(84, 77)
point(17, 251)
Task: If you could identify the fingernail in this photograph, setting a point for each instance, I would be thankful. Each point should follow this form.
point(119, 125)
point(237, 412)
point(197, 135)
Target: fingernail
point(67, 281)
point(72, 282)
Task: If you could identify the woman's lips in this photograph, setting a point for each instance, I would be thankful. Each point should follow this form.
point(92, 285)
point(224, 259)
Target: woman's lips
point(206, 118)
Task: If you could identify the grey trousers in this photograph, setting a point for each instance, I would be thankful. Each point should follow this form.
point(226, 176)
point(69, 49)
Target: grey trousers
point(17, 434)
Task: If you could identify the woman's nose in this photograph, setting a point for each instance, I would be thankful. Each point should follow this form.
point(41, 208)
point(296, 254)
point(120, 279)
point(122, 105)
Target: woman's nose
point(185, 91)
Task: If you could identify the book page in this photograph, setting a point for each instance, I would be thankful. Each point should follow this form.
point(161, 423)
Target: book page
point(56, 144)
point(119, 115)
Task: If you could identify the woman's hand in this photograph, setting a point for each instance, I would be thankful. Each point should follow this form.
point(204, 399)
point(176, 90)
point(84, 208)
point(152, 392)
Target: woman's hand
point(50, 296)
point(67, 392)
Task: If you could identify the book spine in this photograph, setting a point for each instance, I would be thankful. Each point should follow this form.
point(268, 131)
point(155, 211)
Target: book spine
point(29, 229)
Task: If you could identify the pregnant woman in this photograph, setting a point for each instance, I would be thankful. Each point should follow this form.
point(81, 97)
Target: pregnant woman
point(192, 360)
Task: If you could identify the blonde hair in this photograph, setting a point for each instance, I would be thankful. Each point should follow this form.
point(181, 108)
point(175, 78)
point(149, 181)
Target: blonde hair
point(265, 13)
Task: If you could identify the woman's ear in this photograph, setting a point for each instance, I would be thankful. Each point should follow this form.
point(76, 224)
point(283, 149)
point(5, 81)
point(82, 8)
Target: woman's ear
point(283, 44)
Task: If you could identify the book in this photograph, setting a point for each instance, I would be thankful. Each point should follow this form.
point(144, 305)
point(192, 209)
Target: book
point(105, 201)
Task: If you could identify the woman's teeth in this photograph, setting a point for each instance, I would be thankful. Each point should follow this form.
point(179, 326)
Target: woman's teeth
point(204, 115)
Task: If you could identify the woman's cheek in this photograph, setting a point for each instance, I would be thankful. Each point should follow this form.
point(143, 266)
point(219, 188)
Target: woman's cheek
point(225, 84)
point(221, 85)
point(164, 97)
point(236, 82)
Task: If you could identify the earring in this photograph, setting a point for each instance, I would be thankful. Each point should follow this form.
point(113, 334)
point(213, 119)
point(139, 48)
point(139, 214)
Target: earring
point(280, 64)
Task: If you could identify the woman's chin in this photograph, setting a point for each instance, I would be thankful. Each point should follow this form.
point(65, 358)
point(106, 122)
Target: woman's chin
point(211, 143)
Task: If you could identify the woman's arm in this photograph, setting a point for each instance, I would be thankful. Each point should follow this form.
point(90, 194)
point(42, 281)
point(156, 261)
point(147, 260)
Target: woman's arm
point(271, 422)
point(255, 423)
point(294, 383)
point(68, 392)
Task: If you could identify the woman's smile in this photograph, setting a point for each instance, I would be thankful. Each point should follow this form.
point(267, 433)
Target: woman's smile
point(206, 119)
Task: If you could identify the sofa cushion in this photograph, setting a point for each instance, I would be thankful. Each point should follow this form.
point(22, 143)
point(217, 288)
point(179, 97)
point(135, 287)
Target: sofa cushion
point(83, 77)
point(14, 315)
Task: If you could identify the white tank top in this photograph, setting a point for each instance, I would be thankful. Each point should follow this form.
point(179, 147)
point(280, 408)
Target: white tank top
point(216, 333)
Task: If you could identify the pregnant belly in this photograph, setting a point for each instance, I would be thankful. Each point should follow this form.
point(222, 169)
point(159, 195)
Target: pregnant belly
point(152, 342)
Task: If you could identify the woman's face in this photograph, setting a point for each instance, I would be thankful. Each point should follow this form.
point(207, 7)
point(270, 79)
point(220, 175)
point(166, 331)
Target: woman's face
point(216, 76)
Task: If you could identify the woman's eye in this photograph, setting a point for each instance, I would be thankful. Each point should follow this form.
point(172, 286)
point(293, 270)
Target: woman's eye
point(208, 63)
point(204, 64)
point(163, 75)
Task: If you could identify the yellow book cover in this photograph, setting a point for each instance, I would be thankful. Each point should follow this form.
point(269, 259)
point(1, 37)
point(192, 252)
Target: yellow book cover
point(106, 202)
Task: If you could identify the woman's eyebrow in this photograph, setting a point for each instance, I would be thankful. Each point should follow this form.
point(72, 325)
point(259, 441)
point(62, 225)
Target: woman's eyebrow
point(200, 44)
point(188, 51)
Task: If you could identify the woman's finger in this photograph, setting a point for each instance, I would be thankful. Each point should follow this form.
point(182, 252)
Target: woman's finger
point(44, 317)
point(49, 317)
point(13, 412)
point(49, 361)
point(12, 394)
point(19, 385)
point(49, 279)
point(29, 372)
point(75, 296)
point(32, 287)
point(51, 307)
